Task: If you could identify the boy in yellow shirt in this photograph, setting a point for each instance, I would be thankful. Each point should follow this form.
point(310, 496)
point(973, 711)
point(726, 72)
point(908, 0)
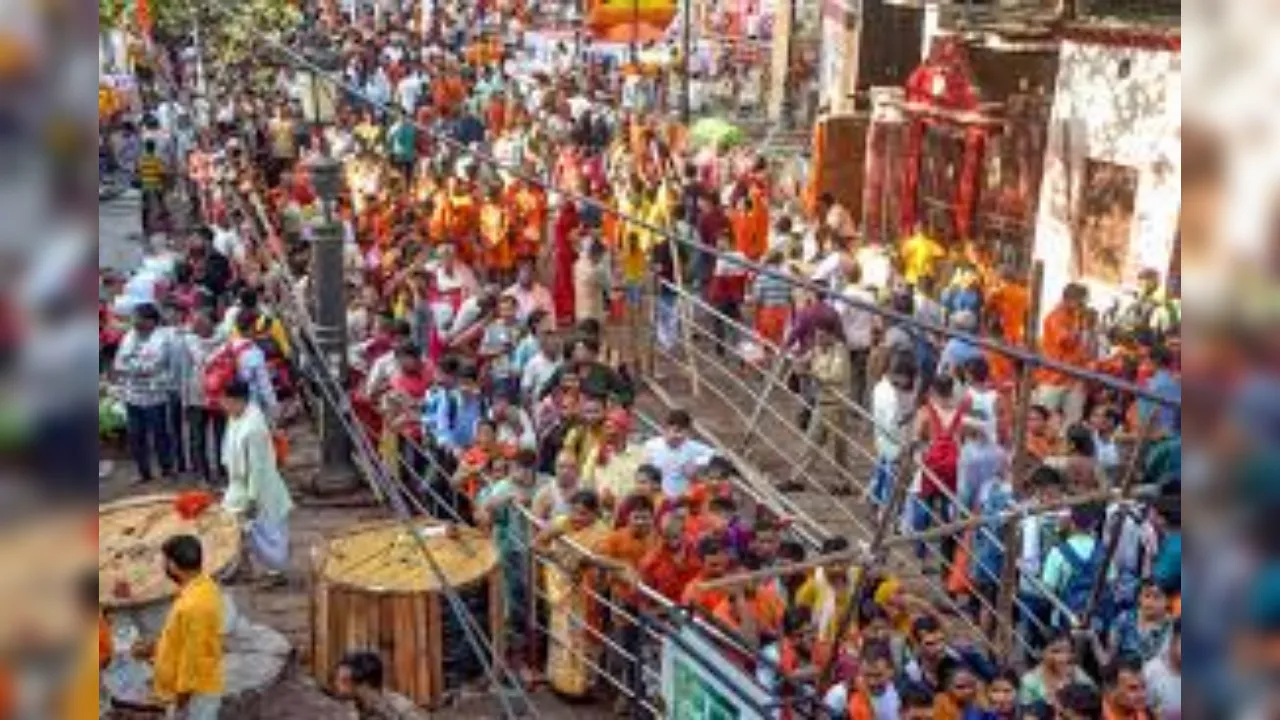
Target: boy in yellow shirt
point(187, 659)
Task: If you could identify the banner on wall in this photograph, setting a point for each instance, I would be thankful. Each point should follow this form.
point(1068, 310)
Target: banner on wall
point(692, 691)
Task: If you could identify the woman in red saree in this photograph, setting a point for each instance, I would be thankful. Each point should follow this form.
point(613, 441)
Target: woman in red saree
point(564, 255)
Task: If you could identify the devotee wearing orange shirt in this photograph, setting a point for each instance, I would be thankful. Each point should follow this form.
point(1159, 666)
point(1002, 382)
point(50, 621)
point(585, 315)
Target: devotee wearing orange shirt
point(498, 256)
point(754, 610)
point(1064, 339)
point(713, 555)
point(627, 546)
point(528, 206)
point(670, 567)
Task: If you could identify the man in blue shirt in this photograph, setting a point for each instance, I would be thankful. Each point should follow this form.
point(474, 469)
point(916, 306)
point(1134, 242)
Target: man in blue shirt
point(958, 353)
point(1168, 419)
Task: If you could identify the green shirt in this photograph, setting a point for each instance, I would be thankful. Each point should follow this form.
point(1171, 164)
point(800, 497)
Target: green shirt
point(403, 141)
point(511, 529)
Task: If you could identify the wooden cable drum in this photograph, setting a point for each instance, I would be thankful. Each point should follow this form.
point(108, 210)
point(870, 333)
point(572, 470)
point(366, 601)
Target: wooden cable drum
point(130, 534)
point(375, 591)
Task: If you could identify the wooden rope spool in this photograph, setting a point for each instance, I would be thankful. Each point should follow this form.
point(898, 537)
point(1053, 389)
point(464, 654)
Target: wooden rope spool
point(130, 534)
point(374, 591)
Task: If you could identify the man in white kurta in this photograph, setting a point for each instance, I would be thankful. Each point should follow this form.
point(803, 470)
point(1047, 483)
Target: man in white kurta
point(256, 492)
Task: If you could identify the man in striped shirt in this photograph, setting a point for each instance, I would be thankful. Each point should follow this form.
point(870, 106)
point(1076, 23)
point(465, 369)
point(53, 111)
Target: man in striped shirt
point(152, 176)
point(148, 367)
point(771, 296)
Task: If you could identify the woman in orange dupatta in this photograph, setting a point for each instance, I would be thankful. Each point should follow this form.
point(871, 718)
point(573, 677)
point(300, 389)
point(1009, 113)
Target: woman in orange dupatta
point(574, 647)
point(471, 477)
point(758, 218)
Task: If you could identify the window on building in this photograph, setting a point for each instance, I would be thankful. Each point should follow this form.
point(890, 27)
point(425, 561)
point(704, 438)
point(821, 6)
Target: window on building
point(1104, 221)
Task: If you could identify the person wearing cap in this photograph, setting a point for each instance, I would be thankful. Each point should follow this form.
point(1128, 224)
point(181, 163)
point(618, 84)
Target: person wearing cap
point(830, 422)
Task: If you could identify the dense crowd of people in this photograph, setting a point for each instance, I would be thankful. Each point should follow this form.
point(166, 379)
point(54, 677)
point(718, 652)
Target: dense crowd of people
point(493, 324)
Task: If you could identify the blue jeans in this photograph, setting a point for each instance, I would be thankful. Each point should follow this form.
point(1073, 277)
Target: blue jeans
point(148, 428)
point(882, 481)
point(927, 512)
point(668, 320)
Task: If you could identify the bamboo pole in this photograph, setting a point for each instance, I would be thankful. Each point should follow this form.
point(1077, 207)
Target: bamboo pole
point(745, 578)
point(1012, 535)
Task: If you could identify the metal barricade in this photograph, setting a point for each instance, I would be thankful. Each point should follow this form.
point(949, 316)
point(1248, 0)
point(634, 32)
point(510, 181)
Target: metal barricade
point(752, 388)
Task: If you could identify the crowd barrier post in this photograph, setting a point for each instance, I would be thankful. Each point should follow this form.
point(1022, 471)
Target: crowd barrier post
point(1013, 532)
point(1112, 539)
point(1012, 535)
point(884, 529)
point(684, 313)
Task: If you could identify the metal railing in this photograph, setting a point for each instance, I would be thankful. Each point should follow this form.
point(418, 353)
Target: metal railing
point(756, 403)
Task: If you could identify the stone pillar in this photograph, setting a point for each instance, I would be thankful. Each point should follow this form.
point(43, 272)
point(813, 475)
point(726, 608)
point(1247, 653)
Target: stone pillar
point(780, 68)
point(331, 337)
point(846, 79)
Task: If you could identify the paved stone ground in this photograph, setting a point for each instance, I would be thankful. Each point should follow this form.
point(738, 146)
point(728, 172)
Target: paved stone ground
point(287, 610)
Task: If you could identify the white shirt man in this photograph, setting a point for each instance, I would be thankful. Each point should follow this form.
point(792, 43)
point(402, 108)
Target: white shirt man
point(228, 243)
point(893, 409)
point(677, 462)
point(1163, 675)
point(408, 90)
point(378, 88)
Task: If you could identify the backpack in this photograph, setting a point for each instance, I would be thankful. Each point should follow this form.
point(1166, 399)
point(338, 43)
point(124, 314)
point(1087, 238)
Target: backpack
point(941, 459)
point(222, 369)
point(1079, 585)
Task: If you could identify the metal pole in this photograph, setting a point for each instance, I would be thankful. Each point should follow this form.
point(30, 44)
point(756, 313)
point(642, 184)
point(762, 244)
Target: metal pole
point(1011, 538)
point(199, 47)
point(884, 529)
point(331, 320)
point(686, 49)
point(775, 375)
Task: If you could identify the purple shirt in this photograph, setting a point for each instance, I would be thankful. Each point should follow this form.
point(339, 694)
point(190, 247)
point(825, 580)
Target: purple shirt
point(807, 322)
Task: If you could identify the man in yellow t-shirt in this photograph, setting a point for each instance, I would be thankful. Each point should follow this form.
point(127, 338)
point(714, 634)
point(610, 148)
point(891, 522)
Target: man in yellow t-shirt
point(919, 253)
point(187, 659)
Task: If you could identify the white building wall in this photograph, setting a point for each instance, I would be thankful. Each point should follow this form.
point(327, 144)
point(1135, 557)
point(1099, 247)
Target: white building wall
point(1131, 119)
